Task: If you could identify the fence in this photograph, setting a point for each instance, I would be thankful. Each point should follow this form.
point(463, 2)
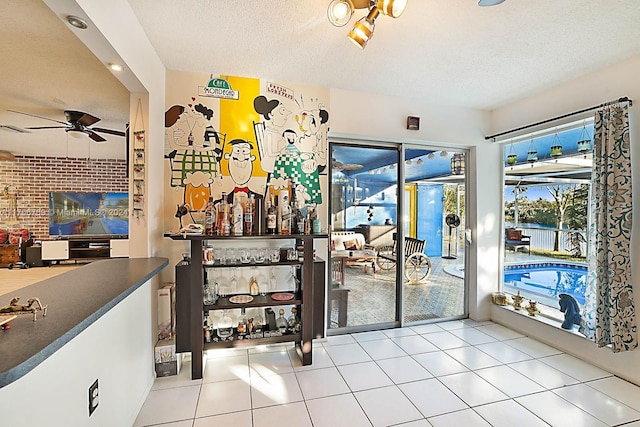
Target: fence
point(543, 238)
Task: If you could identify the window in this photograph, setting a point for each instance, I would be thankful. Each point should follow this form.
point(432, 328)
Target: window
point(547, 187)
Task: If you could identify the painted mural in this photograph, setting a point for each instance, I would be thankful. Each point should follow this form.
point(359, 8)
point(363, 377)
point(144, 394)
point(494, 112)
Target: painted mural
point(237, 135)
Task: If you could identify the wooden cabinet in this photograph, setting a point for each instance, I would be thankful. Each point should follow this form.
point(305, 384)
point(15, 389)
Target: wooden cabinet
point(303, 299)
point(53, 250)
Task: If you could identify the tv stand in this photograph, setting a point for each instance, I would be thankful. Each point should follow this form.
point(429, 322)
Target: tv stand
point(85, 248)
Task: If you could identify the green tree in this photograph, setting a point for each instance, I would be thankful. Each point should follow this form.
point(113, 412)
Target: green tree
point(451, 199)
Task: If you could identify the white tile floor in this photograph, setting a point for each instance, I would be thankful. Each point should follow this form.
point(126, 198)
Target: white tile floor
point(459, 373)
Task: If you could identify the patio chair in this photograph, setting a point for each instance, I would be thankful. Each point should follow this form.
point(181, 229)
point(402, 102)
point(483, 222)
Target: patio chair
point(514, 239)
point(417, 265)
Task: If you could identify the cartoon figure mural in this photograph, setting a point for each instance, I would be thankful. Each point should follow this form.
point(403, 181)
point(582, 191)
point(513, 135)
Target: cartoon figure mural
point(290, 131)
point(194, 150)
point(298, 154)
point(240, 164)
point(269, 132)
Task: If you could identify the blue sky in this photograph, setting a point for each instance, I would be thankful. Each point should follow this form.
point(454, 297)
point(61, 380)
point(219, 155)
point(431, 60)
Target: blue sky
point(534, 192)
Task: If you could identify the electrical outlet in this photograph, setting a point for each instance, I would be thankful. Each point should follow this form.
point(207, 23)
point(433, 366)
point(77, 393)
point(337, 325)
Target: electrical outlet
point(93, 397)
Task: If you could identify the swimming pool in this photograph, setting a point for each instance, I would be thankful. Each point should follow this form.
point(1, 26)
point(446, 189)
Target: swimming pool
point(543, 281)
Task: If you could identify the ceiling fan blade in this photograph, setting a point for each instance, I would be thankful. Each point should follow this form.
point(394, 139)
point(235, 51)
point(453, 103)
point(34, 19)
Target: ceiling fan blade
point(95, 136)
point(48, 127)
point(88, 120)
point(14, 128)
point(40, 117)
point(80, 117)
point(109, 131)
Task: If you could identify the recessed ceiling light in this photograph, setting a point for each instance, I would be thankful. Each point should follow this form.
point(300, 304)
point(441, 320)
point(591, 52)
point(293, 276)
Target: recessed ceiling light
point(115, 67)
point(77, 22)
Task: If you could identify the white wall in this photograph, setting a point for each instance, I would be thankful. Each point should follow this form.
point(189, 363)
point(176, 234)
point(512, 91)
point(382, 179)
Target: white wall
point(119, 25)
point(605, 85)
point(115, 350)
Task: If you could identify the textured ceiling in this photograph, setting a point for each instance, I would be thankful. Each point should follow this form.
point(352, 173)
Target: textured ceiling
point(444, 52)
point(45, 70)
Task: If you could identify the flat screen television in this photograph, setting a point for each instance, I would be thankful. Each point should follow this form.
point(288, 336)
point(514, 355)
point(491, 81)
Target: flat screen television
point(88, 214)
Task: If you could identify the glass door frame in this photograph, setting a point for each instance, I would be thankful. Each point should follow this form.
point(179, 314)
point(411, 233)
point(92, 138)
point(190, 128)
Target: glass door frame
point(396, 322)
point(400, 230)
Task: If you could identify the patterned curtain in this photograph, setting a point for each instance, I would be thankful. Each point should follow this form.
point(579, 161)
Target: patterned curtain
point(609, 314)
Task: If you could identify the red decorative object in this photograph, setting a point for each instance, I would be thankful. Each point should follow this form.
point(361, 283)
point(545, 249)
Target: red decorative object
point(284, 296)
point(15, 235)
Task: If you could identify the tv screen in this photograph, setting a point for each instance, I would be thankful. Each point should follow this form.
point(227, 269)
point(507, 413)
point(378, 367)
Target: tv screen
point(88, 214)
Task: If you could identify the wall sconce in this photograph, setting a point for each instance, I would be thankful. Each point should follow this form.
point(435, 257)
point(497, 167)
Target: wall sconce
point(457, 164)
point(340, 12)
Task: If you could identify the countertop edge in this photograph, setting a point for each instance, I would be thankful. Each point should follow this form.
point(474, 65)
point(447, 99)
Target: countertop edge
point(25, 367)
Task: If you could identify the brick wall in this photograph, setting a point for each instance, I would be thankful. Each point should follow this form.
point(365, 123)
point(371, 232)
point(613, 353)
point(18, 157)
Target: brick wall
point(34, 177)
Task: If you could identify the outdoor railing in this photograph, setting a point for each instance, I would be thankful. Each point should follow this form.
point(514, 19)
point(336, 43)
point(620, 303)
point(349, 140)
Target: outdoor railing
point(543, 238)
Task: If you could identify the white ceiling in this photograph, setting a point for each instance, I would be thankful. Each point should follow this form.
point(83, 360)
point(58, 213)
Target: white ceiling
point(45, 70)
point(443, 52)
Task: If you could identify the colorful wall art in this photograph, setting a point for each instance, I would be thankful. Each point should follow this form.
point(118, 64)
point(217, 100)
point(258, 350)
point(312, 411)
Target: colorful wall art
point(237, 135)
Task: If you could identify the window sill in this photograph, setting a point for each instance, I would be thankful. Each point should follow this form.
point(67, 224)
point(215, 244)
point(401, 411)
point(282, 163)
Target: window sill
point(548, 316)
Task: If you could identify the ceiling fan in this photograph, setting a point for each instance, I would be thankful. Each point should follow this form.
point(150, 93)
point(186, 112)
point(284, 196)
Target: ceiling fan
point(77, 122)
point(339, 166)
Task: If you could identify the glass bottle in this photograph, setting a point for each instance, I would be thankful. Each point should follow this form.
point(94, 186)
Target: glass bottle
point(209, 218)
point(281, 322)
point(224, 227)
point(248, 216)
point(273, 282)
point(284, 210)
point(297, 220)
point(238, 216)
point(272, 214)
point(293, 321)
point(254, 288)
point(206, 330)
point(242, 322)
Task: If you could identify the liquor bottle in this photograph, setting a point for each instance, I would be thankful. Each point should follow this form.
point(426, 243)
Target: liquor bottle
point(284, 210)
point(308, 222)
point(254, 288)
point(209, 218)
point(206, 331)
point(297, 220)
point(238, 216)
point(224, 227)
point(272, 216)
point(248, 216)
point(281, 322)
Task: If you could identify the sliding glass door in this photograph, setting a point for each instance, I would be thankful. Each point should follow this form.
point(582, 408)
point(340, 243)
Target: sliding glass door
point(433, 282)
point(364, 211)
point(396, 244)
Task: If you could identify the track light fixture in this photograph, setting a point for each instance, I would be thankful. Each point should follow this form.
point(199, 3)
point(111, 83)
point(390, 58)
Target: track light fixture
point(340, 12)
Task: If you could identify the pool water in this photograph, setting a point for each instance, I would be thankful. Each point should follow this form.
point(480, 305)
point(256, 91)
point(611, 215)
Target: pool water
point(543, 282)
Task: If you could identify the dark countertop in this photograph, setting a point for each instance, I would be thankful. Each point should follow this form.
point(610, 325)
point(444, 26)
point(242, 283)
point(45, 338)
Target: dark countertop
point(75, 300)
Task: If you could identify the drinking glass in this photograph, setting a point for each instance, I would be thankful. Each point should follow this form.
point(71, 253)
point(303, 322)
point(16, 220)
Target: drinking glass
point(259, 255)
point(274, 254)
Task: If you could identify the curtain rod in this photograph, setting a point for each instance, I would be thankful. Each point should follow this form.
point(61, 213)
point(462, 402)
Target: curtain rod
point(595, 107)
